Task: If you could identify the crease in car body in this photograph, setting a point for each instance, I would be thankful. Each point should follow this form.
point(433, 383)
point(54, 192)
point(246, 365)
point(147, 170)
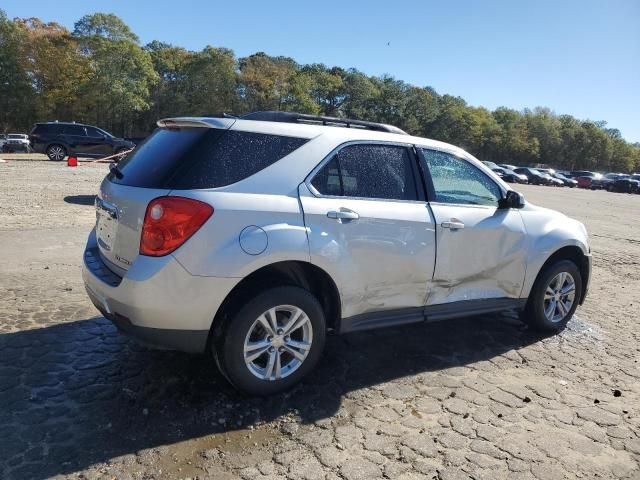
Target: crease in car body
point(444, 289)
point(318, 228)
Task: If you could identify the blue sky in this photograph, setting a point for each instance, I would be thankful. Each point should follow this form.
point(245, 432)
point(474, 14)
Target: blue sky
point(576, 57)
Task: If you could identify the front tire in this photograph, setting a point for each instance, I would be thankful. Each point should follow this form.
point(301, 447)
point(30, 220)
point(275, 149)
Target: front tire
point(273, 342)
point(554, 297)
point(56, 152)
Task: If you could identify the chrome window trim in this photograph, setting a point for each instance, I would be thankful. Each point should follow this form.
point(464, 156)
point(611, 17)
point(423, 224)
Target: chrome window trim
point(469, 205)
point(336, 150)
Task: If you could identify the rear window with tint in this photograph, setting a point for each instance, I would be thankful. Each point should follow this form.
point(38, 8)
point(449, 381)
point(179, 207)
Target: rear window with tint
point(190, 158)
point(75, 130)
point(48, 128)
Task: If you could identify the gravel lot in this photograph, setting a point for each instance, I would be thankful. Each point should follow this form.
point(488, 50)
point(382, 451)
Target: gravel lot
point(475, 398)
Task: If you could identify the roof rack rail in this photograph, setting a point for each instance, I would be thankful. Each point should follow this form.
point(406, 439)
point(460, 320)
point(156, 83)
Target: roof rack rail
point(292, 117)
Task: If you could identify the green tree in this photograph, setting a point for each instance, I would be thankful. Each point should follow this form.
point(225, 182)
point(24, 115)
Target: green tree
point(57, 69)
point(210, 82)
point(16, 92)
point(360, 95)
point(325, 87)
point(106, 26)
point(265, 82)
point(421, 110)
point(122, 72)
point(168, 95)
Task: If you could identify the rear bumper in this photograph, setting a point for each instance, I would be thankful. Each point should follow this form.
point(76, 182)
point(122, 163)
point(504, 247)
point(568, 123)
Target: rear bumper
point(158, 302)
point(191, 341)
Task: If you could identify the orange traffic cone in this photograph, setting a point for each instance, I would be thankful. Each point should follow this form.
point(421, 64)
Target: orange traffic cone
point(72, 162)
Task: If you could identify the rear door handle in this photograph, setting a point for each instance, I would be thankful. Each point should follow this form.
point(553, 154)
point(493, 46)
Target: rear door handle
point(453, 224)
point(343, 215)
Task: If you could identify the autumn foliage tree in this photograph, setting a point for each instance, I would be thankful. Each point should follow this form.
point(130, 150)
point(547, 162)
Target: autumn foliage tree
point(101, 74)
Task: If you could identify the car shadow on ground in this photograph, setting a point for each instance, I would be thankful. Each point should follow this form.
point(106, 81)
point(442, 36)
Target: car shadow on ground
point(85, 200)
point(79, 393)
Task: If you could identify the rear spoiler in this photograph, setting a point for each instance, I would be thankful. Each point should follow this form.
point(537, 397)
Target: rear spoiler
point(197, 122)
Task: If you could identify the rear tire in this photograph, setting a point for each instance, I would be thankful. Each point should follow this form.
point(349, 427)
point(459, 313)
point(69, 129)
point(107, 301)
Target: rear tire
point(283, 357)
point(554, 297)
point(56, 152)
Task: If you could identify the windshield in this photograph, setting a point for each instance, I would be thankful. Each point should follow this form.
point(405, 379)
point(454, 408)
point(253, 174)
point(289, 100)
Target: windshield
point(18, 136)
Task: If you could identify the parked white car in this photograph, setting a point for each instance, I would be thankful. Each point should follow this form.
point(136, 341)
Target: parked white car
point(251, 238)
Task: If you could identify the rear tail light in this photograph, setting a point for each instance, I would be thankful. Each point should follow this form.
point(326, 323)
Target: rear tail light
point(169, 222)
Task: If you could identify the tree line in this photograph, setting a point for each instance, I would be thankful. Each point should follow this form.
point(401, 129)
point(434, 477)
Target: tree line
point(100, 74)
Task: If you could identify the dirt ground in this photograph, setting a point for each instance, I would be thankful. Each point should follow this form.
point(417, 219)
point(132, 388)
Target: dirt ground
point(475, 398)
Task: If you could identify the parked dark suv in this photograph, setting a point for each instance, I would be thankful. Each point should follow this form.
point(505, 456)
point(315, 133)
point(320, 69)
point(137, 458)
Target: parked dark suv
point(59, 139)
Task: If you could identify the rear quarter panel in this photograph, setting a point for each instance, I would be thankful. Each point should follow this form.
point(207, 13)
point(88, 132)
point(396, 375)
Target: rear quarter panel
point(215, 250)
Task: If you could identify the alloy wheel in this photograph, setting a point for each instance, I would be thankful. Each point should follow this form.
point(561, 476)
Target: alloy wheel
point(278, 342)
point(559, 297)
point(56, 153)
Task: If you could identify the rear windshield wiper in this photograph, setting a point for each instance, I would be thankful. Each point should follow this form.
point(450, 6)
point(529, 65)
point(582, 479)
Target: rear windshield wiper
point(113, 168)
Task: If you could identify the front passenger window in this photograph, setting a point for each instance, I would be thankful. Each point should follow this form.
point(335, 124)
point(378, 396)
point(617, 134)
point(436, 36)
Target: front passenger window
point(459, 182)
point(93, 132)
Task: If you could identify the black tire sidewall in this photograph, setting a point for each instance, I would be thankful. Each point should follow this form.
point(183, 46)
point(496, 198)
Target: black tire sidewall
point(535, 305)
point(231, 345)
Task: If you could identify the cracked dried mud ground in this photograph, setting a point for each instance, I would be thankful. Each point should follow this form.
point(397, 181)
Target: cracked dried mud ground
point(475, 398)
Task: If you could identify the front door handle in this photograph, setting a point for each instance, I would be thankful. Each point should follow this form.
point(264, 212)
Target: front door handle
point(343, 215)
point(453, 224)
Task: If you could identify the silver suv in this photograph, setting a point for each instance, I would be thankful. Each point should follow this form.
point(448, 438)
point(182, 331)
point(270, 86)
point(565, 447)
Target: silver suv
point(251, 238)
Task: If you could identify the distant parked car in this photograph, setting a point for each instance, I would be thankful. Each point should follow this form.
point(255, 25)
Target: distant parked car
point(16, 142)
point(595, 179)
point(59, 139)
point(568, 182)
point(533, 176)
point(585, 173)
point(489, 164)
point(510, 176)
point(547, 173)
point(507, 166)
point(624, 184)
point(608, 179)
point(584, 182)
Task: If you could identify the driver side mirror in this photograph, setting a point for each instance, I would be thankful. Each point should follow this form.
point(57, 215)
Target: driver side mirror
point(512, 199)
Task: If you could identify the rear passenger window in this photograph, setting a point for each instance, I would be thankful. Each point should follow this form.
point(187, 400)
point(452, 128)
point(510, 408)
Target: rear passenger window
point(74, 130)
point(368, 171)
point(192, 158)
point(327, 180)
point(48, 128)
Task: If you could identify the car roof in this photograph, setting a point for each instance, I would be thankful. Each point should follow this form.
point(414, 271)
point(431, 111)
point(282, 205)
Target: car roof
point(64, 123)
point(341, 134)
